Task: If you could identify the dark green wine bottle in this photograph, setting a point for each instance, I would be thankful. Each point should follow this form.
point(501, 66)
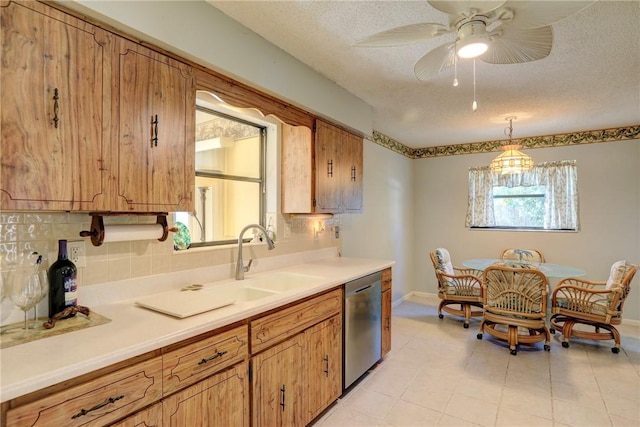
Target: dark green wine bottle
point(63, 282)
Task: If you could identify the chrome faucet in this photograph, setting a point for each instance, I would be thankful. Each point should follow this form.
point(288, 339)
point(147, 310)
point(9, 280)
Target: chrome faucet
point(240, 267)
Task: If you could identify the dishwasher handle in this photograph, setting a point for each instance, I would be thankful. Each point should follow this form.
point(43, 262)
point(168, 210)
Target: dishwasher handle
point(364, 288)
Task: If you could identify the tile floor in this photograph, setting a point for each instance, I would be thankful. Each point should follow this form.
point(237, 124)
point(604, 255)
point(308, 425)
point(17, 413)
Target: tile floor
point(440, 374)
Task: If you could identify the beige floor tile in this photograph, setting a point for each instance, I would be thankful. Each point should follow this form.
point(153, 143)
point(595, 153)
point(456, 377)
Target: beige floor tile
point(370, 402)
point(471, 409)
point(391, 378)
point(576, 415)
point(512, 418)
point(450, 421)
point(407, 414)
point(622, 407)
point(527, 402)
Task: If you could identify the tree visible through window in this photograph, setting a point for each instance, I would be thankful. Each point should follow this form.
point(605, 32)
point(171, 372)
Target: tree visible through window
point(519, 206)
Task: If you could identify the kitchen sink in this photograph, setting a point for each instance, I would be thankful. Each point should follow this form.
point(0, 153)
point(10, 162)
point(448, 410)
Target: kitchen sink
point(281, 282)
point(185, 303)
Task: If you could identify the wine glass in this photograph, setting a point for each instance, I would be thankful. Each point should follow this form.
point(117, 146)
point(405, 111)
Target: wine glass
point(41, 271)
point(25, 290)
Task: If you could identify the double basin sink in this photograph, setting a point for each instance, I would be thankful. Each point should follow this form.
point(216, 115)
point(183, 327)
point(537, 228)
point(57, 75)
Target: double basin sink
point(196, 299)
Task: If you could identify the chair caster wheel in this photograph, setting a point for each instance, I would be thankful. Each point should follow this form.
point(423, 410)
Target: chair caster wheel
point(565, 344)
point(465, 325)
point(547, 347)
point(440, 316)
point(479, 336)
point(615, 350)
point(514, 352)
point(553, 331)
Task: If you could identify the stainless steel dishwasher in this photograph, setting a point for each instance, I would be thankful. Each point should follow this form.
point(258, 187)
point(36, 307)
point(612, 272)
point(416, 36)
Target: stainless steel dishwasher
point(362, 326)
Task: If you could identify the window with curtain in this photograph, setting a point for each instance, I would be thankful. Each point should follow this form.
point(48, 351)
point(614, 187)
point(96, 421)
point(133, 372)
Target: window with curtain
point(545, 198)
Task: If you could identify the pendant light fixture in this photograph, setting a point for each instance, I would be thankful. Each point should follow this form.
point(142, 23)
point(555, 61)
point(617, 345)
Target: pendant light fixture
point(511, 160)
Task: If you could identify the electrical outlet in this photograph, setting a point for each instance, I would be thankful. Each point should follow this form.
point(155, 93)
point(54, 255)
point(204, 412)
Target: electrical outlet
point(77, 253)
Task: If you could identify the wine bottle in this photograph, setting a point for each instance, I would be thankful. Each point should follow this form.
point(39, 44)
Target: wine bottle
point(63, 282)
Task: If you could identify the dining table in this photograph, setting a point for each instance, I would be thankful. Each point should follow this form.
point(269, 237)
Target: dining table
point(550, 270)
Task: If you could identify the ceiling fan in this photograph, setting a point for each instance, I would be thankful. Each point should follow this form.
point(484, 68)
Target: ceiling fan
point(496, 32)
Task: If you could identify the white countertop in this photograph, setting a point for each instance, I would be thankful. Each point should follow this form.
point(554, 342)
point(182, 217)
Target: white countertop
point(133, 330)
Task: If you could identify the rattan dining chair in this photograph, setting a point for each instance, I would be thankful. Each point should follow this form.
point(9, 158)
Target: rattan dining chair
point(515, 305)
point(457, 286)
point(597, 305)
point(526, 255)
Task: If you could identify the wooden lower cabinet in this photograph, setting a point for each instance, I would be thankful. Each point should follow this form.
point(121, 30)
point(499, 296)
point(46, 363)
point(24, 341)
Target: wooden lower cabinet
point(97, 402)
point(386, 312)
point(150, 417)
point(220, 400)
point(324, 365)
point(278, 385)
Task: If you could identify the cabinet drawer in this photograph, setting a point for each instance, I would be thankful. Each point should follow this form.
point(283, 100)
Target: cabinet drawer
point(386, 279)
point(97, 402)
point(273, 328)
point(190, 364)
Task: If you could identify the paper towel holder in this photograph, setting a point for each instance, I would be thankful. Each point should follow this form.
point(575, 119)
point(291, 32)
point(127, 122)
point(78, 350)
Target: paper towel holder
point(97, 232)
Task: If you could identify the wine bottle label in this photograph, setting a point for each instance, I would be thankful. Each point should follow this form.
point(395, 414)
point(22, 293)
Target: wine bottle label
point(70, 291)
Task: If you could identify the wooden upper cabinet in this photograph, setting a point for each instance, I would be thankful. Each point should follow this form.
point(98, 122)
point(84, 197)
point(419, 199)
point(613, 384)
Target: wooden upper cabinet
point(321, 171)
point(154, 102)
point(53, 154)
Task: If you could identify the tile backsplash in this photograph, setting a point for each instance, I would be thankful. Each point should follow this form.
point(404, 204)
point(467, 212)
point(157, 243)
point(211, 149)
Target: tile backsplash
point(24, 232)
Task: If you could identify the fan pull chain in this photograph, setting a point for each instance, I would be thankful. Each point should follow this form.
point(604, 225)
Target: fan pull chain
point(474, 106)
point(455, 66)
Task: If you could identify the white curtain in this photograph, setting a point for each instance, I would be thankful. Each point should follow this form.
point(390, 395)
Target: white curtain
point(561, 195)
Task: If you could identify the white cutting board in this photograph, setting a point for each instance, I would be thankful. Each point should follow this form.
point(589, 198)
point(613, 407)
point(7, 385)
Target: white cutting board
point(183, 304)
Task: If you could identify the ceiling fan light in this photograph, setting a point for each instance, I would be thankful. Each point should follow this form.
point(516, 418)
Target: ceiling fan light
point(511, 161)
point(472, 40)
point(473, 49)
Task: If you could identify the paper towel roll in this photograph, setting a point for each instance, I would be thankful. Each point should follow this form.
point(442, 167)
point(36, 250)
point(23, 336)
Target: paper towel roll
point(120, 233)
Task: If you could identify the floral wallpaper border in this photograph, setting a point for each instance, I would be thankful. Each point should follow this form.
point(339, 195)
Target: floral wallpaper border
point(575, 138)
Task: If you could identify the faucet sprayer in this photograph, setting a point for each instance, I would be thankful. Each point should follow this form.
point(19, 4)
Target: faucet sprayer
point(240, 267)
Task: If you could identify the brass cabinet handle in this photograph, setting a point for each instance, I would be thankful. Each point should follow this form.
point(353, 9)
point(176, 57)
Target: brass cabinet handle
point(56, 107)
point(215, 356)
point(109, 401)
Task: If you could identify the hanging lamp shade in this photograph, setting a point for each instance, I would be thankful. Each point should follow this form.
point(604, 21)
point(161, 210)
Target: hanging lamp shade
point(511, 161)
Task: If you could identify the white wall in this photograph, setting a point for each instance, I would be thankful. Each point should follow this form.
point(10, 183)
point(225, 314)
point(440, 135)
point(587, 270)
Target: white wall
point(608, 182)
point(384, 229)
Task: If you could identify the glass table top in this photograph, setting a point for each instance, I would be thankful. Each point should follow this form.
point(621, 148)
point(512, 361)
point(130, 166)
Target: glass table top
point(549, 270)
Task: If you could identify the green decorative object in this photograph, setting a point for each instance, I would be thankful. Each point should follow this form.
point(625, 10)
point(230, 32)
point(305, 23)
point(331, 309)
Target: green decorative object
point(181, 238)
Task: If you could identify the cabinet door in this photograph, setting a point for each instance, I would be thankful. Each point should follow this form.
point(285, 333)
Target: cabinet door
point(324, 352)
point(386, 323)
point(328, 179)
point(51, 74)
point(150, 417)
point(279, 384)
point(156, 142)
point(351, 168)
point(297, 181)
point(220, 400)
point(386, 311)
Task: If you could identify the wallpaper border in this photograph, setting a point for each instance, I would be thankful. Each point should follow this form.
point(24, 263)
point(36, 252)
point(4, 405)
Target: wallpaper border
point(566, 139)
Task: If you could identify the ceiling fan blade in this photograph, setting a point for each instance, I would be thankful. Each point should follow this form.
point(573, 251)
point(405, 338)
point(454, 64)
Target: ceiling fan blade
point(404, 35)
point(435, 61)
point(516, 45)
point(535, 14)
point(465, 7)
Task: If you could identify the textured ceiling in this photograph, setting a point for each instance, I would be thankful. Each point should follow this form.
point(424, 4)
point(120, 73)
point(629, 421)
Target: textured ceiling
point(591, 79)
